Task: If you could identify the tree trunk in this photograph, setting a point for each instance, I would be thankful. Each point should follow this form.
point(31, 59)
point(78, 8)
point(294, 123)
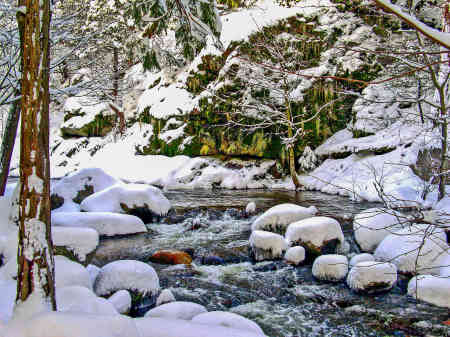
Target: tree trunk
point(290, 147)
point(116, 77)
point(7, 146)
point(35, 281)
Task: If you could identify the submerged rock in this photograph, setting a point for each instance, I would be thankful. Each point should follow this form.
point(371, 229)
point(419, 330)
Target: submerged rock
point(267, 245)
point(372, 277)
point(171, 257)
point(331, 267)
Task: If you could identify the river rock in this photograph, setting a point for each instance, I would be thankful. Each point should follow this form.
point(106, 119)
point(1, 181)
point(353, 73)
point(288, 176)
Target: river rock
point(430, 289)
point(121, 300)
point(372, 277)
point(277, 218)
point(228, 319)
point(69, 273)
point(177, 310)
point(295, 255)
point(360, 258)
point(81, 299)
point(212, 260)
point(250, 208)
point(171, 257)
point(331, 267)
point(77, 244)
point(373, 225)
point(141, 200)
point(166, 296)
point(267, 245)
point(318, 235)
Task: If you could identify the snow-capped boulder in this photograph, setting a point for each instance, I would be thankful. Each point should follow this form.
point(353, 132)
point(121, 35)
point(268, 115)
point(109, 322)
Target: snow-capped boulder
point(430, 289)
point(107, 224)
point(267, 245)
point(144, 201)
point(69, 273)
point(93, 273)
point(372, 225)
point(318, 235)
point(166, 296)
point(75, 243)
point(295, 255)
point(77, 186)
point(131, 275)
point(443, 263)
point(372, 277)
point(414, 250)
point(177, 310)
point(277, 218)
point(81, 299)
point(121, 300)
point(360, 258)
point(227, 319)
point(250, 208)
point(331, 267)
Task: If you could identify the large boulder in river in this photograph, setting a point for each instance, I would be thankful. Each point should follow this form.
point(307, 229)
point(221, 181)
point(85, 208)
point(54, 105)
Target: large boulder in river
point(277, 218)
point(373, 225)
point(267, 245)
point(372, 277)
point(430, 289)
point(142, 200)
point(330, 267)
point(318, 235)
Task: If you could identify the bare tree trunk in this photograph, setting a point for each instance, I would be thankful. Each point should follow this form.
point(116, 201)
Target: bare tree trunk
point(35, 255)
point(116, 77)
point(7, 145)
point(290, 147)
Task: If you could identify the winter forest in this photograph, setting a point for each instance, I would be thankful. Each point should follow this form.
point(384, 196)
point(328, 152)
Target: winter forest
point(224, 168)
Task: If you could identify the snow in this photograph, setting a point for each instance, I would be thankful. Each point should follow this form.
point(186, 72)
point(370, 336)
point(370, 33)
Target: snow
point(80, 241)
point(69, 273)
point(280, 216)
point(106, 224)
point(79, 299)
point(430, 289)
point(8, 289)
point(250, 208)
point(177, 310)
point(83, 105)
point(131, 195)
point(121, 300)
point(267, 245)
point(372, 225)
point(295, 255)
point(93, 273)
point(330, 267)
point(166, 296)
point(372, 276)
point(126, 275)
point(360, 258)
point(227, 319)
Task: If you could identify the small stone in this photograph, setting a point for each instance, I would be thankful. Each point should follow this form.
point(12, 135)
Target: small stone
point(295, 255)
point(330, 267)
point(171, 257)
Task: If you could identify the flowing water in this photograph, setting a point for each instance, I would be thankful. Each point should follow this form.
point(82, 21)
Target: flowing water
point(283, 300)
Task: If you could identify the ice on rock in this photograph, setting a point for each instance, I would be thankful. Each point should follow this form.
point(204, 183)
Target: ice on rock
point(121, 300)
point(372, 277)
point(107, 224)
point(250, 208)
point(277, 218)
point(166, 296)
point(80, 241)
point(318, 235)
point(69, 273)
point(413, 250)
point(228, 319)
point(124, 198)
point(295, 255)
point(81, 299)
point(129, 275)
point(373, 225)
point(177, 310)
point(430, 289)
point(331, 267)
point(360, 258)
point(93, 273)
point(267, 245)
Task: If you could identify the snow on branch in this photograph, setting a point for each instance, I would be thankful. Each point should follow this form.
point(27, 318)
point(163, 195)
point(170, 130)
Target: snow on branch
point(437, 36)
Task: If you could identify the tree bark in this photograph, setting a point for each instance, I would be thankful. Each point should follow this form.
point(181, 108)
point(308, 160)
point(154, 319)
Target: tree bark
point(116, 76)
point(290, 148)
point(35, 255)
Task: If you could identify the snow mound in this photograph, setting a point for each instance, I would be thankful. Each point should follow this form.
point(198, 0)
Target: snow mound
point(80, 241)
point(330, 267)
point(414, 250)
point(228, 319)
point(318, 235)
point(8, 290)
point(373, 225)
point(107, 224)
point(166, 296)
point(81, 299)
point(267, 245)
point(430, 289)
point(125, 198)
point(360, 258)
point(280, 216)
point(126, 275)
point(177, 310)
point(295, 255)
point(121, 300)
point(372, 277)
point(69, 273)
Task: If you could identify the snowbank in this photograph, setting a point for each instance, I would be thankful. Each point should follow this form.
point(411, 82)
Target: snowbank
point(80, 299)
point(69, 273)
